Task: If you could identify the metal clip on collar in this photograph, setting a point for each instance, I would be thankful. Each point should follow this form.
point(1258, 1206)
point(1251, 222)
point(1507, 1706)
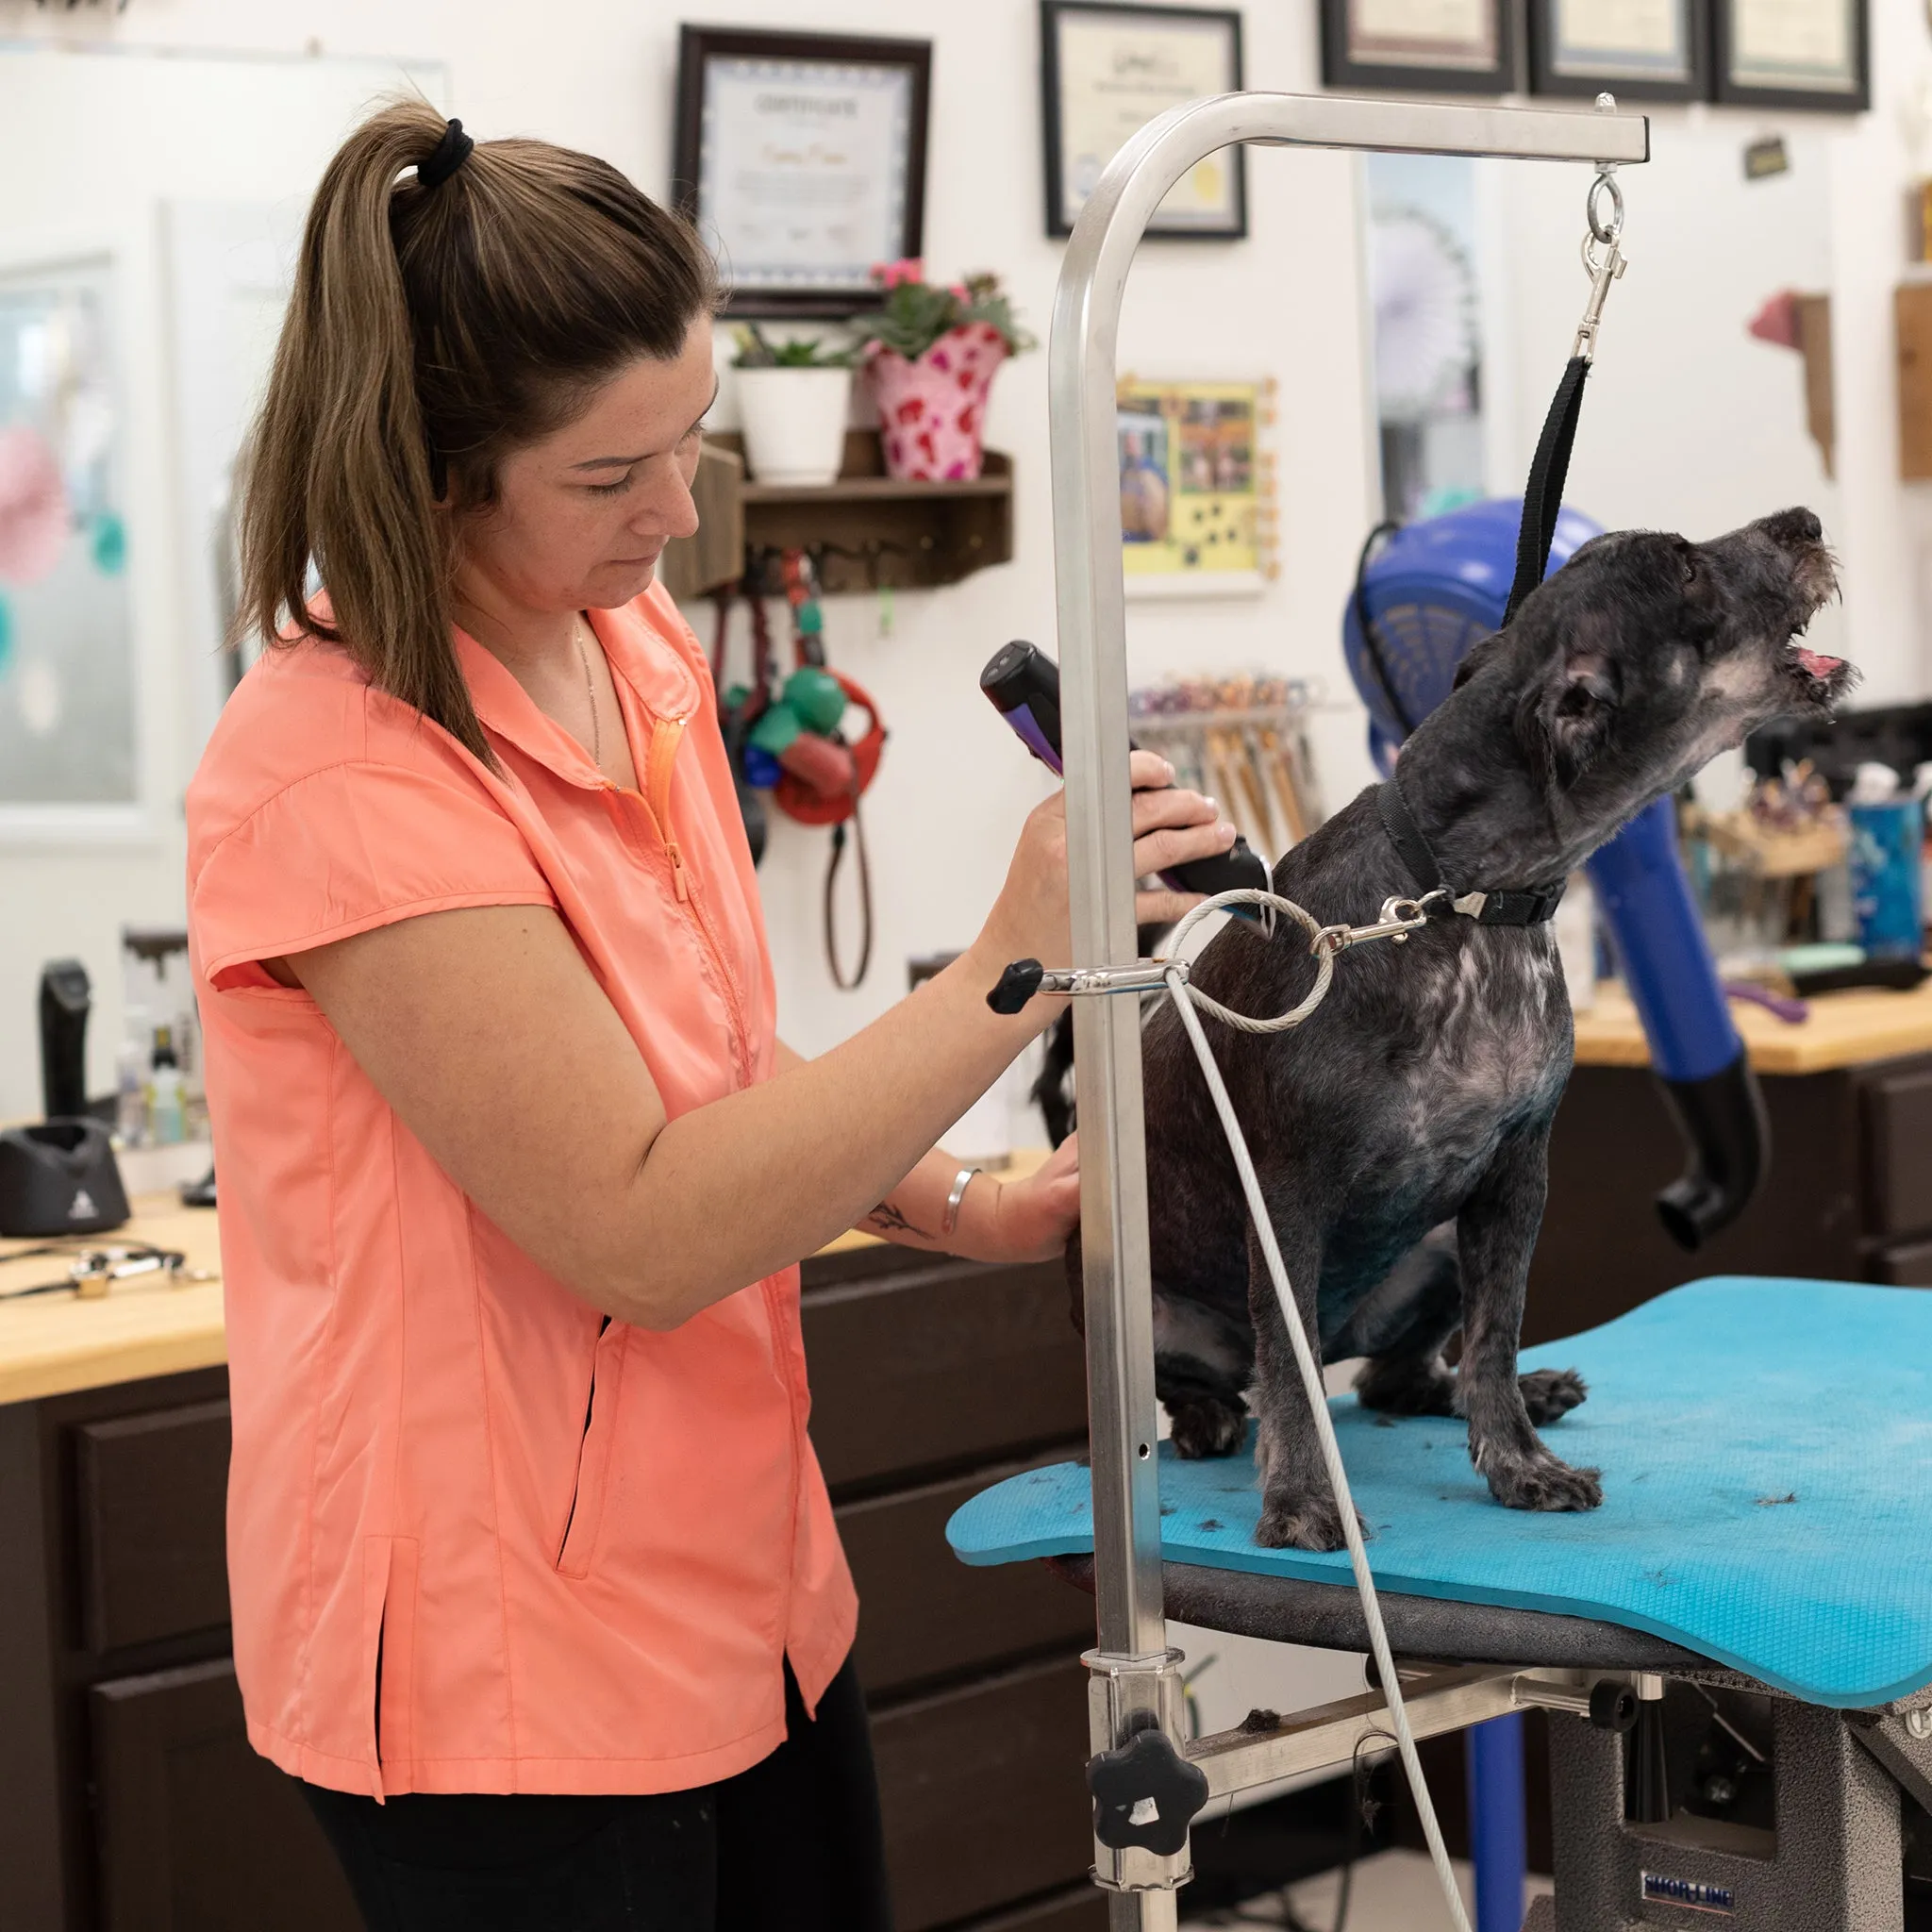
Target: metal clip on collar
point(1399, 918)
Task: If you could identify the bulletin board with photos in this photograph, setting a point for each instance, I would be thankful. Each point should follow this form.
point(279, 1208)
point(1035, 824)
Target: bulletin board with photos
point(1811, 54)
point(1197, 500)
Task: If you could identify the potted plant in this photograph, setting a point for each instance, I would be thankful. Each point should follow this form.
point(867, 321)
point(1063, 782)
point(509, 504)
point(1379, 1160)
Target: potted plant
point(931, 357)
point(793, 401)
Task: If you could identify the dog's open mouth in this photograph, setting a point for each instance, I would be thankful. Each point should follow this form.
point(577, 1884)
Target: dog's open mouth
point(1821, 677)
point(1818, 680)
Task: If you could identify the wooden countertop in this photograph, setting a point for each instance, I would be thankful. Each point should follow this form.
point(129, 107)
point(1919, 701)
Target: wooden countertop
point(53, 1343)
point(1844, 1029)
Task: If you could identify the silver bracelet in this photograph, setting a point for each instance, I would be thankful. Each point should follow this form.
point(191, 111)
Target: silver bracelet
point(950, 1219)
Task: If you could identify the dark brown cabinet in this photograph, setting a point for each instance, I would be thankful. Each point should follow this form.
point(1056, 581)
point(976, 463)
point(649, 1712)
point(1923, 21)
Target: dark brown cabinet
point(192, 1829)
point(1848, 1196)
point(130, 1800)
point(931, 1379)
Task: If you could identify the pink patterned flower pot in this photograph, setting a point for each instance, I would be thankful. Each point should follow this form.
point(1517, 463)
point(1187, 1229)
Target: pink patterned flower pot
point(932, 412)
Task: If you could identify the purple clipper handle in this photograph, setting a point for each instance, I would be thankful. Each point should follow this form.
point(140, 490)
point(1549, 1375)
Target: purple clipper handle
point(1024, 684)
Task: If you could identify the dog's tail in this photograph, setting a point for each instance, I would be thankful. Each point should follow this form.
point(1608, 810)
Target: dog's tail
point(1053, 1092)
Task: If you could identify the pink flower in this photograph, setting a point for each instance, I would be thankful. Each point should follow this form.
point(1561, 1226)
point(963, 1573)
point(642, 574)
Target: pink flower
point(888, 275)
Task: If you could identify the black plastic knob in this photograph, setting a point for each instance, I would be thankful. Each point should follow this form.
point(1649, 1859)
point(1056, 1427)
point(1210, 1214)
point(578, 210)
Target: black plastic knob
point(1017, 985)
point(1145, 1794)
point(1612, 1706)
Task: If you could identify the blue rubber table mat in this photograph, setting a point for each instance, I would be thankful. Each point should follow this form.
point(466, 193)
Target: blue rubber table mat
point(1766, 1449)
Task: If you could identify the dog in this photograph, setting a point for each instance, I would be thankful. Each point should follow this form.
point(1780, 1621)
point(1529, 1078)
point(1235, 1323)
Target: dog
point(1421, 1092)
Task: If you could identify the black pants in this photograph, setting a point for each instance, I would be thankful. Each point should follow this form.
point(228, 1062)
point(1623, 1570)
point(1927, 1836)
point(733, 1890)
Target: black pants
point(791, 1845)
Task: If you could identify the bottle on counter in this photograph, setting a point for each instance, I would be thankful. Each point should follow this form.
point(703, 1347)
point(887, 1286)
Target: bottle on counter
point(167, 1122)
point(131, 1082)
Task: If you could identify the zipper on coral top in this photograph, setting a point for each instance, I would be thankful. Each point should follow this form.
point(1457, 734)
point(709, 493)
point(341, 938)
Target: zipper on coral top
point(666, 734)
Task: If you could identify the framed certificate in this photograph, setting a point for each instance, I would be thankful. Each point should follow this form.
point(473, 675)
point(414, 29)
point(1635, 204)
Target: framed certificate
point(1420, 46)
point(1794, 53)
point(1646, 50)
point(801, 160)
point(1109, 69)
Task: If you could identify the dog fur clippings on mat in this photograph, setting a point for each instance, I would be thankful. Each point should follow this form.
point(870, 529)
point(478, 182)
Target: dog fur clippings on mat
point(1423, 1091)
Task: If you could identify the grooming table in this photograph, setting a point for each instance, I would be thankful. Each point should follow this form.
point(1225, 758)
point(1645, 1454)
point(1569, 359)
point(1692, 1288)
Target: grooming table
point(1766, 1448)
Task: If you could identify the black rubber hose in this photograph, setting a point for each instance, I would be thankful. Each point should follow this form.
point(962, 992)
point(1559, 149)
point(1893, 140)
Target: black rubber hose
point(1646, 1774)
point(1722, 1122)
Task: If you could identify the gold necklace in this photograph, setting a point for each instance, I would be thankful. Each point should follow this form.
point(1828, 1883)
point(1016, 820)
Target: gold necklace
point(591, 692)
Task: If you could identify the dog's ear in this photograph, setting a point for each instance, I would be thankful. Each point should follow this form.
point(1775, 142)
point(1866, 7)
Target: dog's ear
point(1475, 658)
point(1568, 719)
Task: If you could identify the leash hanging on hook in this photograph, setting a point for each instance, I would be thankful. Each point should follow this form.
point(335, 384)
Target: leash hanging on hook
point(1542, 496)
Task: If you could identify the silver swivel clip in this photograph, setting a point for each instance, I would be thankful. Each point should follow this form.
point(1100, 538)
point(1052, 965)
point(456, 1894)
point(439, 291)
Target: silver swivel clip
point(1605, 268)
point(1400, 917)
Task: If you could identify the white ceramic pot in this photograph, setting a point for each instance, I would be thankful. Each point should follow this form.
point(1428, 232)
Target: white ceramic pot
point(794, 422)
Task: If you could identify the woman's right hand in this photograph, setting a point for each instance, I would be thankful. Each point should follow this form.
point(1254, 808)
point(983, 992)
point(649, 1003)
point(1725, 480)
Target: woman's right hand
point(1171, 827)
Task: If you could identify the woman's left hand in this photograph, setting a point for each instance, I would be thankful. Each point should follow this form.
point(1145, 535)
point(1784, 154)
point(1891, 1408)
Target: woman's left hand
point(1032, 1219)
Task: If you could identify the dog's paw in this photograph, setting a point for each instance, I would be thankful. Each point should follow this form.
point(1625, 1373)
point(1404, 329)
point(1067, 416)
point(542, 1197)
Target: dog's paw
point(1540, 1482)
point(1207, 1429)
point(1548, 1394)
point(1302, 1523)
point(1406, 1389)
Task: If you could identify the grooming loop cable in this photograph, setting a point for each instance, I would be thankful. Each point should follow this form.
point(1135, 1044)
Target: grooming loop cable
point(1134, 1673)
point(1324, 942)
point(1399, 918)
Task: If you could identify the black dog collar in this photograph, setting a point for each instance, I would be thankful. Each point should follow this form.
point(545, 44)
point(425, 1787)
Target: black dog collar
point(1486, 908)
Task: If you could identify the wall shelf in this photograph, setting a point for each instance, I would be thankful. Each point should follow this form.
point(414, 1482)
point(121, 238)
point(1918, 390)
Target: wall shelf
point(865, 531)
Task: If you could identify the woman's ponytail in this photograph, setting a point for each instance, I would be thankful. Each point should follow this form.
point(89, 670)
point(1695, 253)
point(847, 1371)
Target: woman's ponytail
point(431, 329)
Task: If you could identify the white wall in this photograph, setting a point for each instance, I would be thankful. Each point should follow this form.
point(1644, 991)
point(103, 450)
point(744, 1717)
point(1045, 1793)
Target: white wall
point(1690, 424)
point(953, 786)
point(101, 152)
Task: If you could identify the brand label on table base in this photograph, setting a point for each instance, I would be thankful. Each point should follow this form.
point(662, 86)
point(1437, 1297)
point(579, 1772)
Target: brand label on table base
point(1691, 1893)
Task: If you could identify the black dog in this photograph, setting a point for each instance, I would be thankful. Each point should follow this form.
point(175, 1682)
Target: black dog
point(1422, 1091)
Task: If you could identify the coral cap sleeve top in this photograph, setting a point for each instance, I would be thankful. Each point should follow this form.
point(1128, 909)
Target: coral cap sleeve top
point(479, 1539)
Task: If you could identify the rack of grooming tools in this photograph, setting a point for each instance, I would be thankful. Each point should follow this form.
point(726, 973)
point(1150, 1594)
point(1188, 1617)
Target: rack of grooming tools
point(1243, 740)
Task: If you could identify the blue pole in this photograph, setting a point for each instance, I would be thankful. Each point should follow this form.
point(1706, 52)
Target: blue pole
point(1498, 1837)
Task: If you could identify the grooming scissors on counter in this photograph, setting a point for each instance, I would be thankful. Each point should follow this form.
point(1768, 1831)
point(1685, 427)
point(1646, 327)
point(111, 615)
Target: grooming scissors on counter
point(94, 1270)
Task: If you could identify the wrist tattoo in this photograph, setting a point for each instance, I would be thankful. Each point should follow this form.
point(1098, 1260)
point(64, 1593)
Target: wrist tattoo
point(886, 1219)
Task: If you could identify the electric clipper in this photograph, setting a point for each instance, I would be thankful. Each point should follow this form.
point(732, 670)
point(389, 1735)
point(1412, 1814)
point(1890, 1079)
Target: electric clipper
point(1024, 686)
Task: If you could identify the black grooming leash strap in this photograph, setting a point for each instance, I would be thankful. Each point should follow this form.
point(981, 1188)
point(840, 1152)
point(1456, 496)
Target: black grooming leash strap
point(1493, 908)
point(1542, 496)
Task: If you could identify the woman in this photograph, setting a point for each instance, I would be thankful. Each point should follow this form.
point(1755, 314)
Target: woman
point(535, 1584)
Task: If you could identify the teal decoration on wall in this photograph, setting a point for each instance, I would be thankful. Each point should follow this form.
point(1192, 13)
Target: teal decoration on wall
point(108, 541)
point(6, 635)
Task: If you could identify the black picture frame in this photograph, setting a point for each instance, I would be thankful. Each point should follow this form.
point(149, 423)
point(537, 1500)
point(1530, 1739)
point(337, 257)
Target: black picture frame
point(1736, 93)
point(1627, 82)
point(697, 47)
point(1341, 69)
point(1052, 83)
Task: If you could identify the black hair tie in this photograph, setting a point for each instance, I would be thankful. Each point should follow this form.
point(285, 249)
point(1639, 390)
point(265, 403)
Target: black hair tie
point(452, 151)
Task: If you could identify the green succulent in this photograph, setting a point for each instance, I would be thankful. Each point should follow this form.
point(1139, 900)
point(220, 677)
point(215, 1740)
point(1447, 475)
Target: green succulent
point(917, 314)
point(756, 350)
